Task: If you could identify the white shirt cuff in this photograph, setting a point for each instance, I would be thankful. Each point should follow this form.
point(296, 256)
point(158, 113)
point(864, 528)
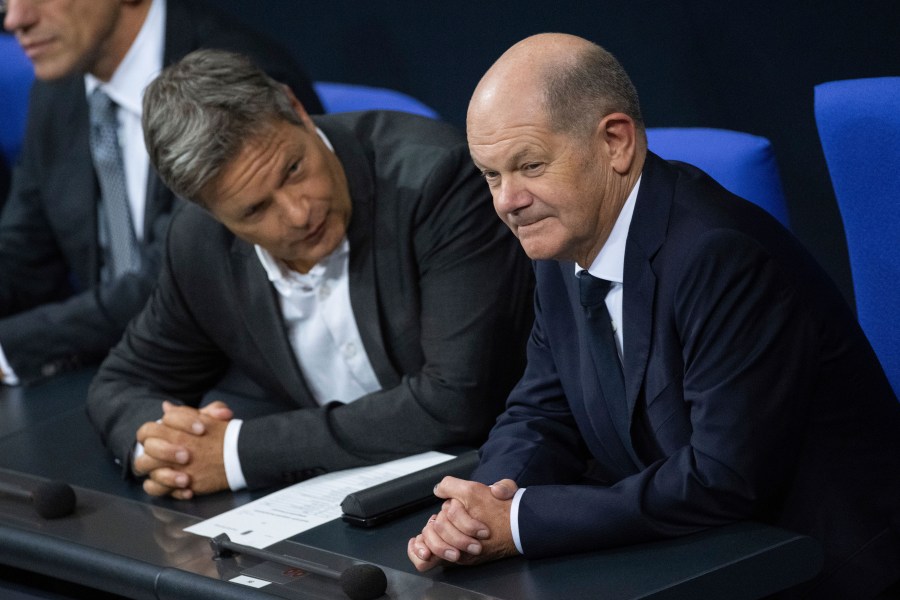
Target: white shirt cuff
point(233, 471)
point(9, 376)
point(514, 519)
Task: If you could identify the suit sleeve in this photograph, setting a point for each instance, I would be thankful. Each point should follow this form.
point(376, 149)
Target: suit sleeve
point(164, 355)
point(536, 440)
point(744, 338)
point(473, 290)
point(62, 334)
point(52, 317)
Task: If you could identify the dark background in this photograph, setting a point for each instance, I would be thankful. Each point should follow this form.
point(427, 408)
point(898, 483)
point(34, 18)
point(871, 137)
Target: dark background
point(749, 66)
point(744, 65)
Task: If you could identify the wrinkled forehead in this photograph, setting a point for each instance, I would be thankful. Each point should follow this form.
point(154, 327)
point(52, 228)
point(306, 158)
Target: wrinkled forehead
point(506, 120)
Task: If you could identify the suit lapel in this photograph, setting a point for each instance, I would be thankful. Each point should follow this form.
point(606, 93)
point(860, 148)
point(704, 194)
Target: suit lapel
point(364, 293)
point(607, 419)
point(262, 317)
point(159, 200)
point(72, 181)
point(645, 237)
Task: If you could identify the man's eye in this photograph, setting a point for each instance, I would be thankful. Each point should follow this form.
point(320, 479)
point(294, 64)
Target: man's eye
point(294, 168)
point(251, 211)
point(490, 176)
point(532, 167)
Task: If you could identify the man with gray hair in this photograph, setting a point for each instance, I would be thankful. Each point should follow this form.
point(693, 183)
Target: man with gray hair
point(82, 228)
point(690, 364)
point(351, 265)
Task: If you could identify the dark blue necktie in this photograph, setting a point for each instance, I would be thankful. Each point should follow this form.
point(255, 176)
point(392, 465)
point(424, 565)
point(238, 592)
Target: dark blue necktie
point(593, 292)
point(615, 433)
point(115, 214)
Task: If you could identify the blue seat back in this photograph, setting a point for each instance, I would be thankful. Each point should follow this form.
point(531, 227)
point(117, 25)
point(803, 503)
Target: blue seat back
point(743, 163)
point(346, 97)
point(859, 127)
point(16, 76)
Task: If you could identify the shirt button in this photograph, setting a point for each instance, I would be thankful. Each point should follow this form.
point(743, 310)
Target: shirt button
point(349, 350)
point(324, 291)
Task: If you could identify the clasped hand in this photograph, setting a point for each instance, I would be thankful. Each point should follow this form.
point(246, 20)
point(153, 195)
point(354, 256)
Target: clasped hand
point(472, 527)
point(184, 451)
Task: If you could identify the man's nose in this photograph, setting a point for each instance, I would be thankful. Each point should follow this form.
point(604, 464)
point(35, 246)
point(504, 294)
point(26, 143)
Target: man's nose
point(295, 210)
point(19, 15)
point(511, 195)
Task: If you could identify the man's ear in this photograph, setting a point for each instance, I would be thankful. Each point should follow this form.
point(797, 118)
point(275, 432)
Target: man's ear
point(618, 136)
point(298, 108)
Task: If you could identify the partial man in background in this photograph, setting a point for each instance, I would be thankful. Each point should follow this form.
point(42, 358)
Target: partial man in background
point(83, 226)
point(690, 364)
point(351, 265)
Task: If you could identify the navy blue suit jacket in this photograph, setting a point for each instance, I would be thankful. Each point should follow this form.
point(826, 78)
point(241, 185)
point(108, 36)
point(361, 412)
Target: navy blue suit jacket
point(751, 391)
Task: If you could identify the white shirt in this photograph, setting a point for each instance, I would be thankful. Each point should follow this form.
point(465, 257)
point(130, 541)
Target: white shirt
point(141, 64)
point(610, 265)
point(322, 331)
point(322, 328)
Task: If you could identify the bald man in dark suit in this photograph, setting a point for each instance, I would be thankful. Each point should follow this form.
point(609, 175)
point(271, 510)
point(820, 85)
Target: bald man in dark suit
point(690, 364)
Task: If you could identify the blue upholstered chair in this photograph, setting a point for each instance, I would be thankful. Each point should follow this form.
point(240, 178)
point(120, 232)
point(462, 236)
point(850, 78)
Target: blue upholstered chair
point(743, 163)
point(16, 76)
point(859, 127)
point(344, 97)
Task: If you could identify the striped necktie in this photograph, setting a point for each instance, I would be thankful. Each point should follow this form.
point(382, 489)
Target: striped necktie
point(122, 250)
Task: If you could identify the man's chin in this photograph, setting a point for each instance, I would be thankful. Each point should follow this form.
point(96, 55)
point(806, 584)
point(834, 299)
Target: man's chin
point(537, 251)
point(50, 70)
point(537, 246)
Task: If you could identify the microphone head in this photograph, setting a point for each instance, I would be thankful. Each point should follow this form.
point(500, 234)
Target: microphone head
point(363, 582)
point(53, 499)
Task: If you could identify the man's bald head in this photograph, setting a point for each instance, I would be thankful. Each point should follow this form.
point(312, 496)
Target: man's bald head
point(573, 82)
point(555, 128)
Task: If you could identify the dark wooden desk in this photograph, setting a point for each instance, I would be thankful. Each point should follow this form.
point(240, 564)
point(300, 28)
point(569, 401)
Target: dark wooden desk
point(125, 543)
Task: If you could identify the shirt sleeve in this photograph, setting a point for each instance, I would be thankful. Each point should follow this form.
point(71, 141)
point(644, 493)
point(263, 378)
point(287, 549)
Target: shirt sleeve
point(233, 471)
point(514, 519)
point(7, 375)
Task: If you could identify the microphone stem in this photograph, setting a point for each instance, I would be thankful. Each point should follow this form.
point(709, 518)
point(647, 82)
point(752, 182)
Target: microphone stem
point(222, 542)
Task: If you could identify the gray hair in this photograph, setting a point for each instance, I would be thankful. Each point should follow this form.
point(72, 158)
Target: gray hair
point(200, 112)
point(586, 88)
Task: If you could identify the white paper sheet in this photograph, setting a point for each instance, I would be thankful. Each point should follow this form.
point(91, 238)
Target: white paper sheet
point(307, 504)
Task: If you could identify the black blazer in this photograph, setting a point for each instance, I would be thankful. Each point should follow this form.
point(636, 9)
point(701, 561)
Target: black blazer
point(54, 312)
point(751, 391)
point(440, 289)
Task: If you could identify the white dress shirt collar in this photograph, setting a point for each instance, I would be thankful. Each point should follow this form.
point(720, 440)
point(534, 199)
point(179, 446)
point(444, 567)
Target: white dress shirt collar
point(141, 64)
point(610, 262)
point(284, 278)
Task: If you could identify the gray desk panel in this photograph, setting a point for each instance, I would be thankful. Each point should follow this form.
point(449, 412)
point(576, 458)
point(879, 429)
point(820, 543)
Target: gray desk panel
point(724, 562)
point(22, 407)
point(120, 540)
point(141, 551)
point(66, 447)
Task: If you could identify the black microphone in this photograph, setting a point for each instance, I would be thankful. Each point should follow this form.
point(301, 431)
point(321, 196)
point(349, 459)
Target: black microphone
point(51, 499)
point(359, 582)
